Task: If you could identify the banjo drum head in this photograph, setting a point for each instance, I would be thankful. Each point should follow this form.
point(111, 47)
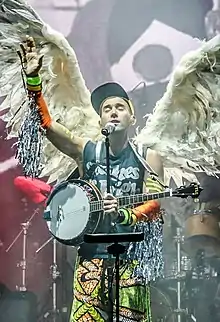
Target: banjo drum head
point(68, 208)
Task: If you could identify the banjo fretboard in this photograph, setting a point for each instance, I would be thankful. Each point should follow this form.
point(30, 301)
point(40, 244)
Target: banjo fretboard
point(126, 201)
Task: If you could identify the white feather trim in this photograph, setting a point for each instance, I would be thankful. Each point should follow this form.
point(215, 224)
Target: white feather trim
point(185, 123)
point(179, 176)
point(64, 88)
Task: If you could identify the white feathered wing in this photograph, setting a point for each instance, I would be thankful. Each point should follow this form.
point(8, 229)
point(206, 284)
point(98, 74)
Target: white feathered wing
point(185, 124)
point(64, 88)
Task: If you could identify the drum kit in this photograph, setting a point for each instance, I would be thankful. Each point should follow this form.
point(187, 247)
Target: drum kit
point(190, 286)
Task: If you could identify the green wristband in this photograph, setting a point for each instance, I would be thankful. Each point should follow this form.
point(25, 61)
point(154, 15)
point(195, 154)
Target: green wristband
point(126, 216)
point(34, 81)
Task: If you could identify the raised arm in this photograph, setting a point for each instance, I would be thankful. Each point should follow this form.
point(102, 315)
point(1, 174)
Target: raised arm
point(65, 141)
point(59, 136)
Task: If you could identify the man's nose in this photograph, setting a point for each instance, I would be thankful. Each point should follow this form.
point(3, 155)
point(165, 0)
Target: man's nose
point(114, 112)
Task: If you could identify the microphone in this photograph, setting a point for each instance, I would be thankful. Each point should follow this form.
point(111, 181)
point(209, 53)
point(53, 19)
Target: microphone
point(108, 129)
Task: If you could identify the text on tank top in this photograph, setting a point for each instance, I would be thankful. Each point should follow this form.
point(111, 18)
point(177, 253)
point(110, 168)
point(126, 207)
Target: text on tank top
point(126, 172)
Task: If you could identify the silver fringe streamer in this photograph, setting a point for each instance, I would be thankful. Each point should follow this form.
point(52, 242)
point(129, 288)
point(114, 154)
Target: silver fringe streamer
point(30, 142)
point(149, 252)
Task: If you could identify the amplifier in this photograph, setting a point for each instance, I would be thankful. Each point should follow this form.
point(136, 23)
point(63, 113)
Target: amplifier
point(19, 307)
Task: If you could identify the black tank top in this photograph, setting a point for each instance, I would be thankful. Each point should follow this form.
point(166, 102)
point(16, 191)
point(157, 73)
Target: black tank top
point(126, 177)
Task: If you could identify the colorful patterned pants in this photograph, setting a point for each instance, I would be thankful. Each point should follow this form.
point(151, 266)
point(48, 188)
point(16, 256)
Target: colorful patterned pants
point(90, 301)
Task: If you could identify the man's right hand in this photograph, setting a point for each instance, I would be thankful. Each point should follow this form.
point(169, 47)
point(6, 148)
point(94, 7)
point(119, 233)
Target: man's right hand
point(30, 59)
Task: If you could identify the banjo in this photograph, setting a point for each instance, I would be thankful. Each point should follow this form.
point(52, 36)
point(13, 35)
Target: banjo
point(75, 208)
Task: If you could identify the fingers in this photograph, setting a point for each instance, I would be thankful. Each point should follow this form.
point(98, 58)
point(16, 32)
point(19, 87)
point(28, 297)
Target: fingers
point(20, 56)
point(31, 47)
point(110, 204)
point(28, 46)
point(109, 196)
point(111, 211)
point(110, 200)
point(40, 63)
point(112, 207)
point(23, 53)
point(30, 60)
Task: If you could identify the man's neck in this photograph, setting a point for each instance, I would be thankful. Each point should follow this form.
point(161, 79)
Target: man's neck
point(118, 141)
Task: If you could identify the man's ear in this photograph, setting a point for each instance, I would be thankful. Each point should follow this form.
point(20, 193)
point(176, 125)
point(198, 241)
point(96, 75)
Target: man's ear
point(133, 120)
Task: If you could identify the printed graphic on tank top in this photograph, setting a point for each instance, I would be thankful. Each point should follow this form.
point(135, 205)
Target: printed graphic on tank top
point(126, 172)
point(126, 178)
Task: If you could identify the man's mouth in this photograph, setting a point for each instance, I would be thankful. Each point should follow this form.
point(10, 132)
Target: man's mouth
point(115, 121)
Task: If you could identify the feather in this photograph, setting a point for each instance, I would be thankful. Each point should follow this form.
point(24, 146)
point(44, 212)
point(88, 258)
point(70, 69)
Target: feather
point(183, 128)
point(185, 123)
point(64, 88)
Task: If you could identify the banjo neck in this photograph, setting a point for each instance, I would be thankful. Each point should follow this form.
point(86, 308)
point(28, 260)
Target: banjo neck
point(124, 201)
point(192, 190)
point(140, 198)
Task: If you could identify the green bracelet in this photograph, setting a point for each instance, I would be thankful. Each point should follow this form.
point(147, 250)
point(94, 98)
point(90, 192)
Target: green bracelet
point(34, 81)
point(126, 216)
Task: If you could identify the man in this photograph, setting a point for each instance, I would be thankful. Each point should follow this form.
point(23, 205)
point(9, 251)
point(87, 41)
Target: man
point(112, 104)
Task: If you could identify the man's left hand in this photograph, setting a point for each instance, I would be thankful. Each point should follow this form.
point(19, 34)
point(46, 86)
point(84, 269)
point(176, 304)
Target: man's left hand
point(110, 205)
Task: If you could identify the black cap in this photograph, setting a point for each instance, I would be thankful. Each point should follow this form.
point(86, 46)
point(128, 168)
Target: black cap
point(107, 90)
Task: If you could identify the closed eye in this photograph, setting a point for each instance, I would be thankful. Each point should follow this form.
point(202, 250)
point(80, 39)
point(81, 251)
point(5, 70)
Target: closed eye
point(107, 108)
point(120, 107)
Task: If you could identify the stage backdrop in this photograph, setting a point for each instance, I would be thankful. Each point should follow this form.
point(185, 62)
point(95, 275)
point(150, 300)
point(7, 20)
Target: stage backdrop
point(127, 41)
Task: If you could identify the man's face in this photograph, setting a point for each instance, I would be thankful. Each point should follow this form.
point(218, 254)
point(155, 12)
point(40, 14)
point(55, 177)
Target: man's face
point(117, 111)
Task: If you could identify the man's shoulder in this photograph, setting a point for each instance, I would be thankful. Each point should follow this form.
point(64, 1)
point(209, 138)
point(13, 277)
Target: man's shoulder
point(152, 154)
point(154, 159)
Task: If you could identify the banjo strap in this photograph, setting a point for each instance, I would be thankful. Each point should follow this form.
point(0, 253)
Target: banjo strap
point(98, 150)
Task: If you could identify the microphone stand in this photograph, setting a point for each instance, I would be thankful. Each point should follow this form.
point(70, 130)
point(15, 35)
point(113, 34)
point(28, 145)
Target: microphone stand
point(115, 249)
point(106, 133)
point(23, 263)
point(55, 312)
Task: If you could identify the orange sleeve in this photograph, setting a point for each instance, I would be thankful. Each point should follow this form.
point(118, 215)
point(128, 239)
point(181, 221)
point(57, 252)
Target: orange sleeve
point(46, 119)
point(147, 211)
